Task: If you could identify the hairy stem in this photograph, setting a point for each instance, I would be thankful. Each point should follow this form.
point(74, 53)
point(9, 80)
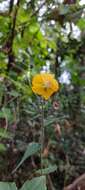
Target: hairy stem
point(42, 134)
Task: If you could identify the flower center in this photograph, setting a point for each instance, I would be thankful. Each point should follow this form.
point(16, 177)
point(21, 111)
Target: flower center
point(46, 85)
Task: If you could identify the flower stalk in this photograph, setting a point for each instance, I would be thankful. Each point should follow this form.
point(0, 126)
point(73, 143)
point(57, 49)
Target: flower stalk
point(42, 133)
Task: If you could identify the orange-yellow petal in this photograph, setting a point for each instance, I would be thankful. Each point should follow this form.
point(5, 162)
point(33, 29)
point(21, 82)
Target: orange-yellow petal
point(47, 94)
point(44, 84)
point(55, 85)
point(37, 79)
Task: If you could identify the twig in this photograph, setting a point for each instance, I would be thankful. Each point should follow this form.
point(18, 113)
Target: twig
point(77, 183)
point(50, 183)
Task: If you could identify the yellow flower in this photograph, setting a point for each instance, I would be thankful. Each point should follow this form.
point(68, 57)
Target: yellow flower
point(44, 84)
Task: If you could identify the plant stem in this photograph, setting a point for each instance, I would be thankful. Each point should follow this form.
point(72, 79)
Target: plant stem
point(42, 133)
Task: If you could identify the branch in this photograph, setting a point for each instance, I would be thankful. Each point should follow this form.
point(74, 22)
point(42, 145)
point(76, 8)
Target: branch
point(11, 6)
point(78, 183)
point(9, 44)
point(14, 23)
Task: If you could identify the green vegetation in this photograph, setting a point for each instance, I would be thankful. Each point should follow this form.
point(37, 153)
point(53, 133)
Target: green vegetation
point(42, 142)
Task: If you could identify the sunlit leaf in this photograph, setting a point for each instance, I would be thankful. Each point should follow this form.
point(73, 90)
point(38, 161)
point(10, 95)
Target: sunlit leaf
point(7, 186)
point(38, 183)
point(48, 170)
point(31, 149)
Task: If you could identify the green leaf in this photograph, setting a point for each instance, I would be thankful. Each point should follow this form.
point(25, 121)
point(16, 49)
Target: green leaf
point(34, 28)
point(14, 93)
point(32, 148)
point(5, 134)
point(82, 82)
point(7, 186)
point(2, 147)
point(22, 16)
point(6, 113)
point(49, 121)
point(48, 170)
point(38, 183)
point(81, 23)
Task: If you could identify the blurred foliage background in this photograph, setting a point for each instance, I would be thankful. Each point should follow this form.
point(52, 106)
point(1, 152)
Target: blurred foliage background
point(35, 36)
